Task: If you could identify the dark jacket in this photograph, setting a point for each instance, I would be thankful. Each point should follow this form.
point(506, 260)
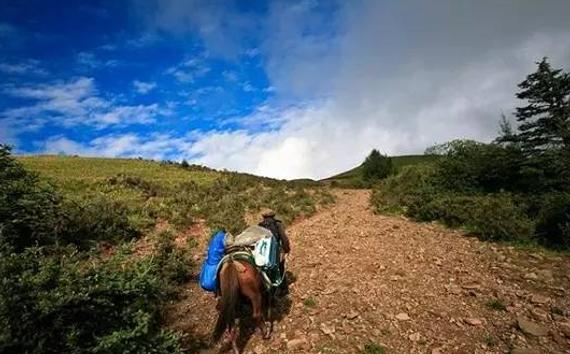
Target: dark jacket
point(277, 229)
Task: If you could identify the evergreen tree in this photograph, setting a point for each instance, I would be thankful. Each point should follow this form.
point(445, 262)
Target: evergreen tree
point(376, 166)
point(545, 120)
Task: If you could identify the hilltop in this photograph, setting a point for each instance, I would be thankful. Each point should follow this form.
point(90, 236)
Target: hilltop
point(354, 175)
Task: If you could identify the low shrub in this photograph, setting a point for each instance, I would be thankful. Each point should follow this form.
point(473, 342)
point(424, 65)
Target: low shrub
point(57, 303)
point(491, 217)
point(85, 222)
point(406, 189)
point(553, 226)
point(29, 210)
point(173, 262)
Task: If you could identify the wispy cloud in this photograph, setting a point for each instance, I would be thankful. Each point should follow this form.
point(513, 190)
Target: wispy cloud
point(189, 69)
point(156, 146)
point(76, 102)
point(143, 87)
point(28, 67)
point(90, 61)
point(144, 40)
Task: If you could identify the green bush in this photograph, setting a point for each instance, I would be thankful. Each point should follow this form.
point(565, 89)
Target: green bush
point(491, 217)
point(29, 211)
point(415, 192)
point(553, 226)
point(57, 303)
point(85, 222)
point(33, 213)
point(410, 187)
point(468, 166)
point(172, 261)
point(376, 166)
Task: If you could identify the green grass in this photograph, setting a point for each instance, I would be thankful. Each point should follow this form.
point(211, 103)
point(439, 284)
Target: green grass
point(496, 304)
point(153, 191)
point(68, 171)
point(310, 302)
point(354, 175)
point(373, 348)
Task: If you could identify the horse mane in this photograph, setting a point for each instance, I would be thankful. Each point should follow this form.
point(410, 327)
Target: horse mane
point(230, 296)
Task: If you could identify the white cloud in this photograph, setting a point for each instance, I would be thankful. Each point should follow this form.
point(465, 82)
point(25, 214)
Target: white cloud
point(72, 103)
point(143, 87)
point(89, 61)
point(116, 145)
point(389, 75)
point(377, 90)
point(27, 67)
point(189, 69)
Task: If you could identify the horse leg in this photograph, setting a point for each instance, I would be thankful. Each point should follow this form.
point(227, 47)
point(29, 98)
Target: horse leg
point(270, 312)
point(233, 338)
point(256, 299)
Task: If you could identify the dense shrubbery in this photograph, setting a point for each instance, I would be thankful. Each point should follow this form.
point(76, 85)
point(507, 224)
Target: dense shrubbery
point(32, 213)
point(60, 294)
point(517, 188)
point(376, 167)
point(55, 298)
point(57, 303)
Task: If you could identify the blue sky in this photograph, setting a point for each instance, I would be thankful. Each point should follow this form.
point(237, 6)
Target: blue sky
point(279, 88)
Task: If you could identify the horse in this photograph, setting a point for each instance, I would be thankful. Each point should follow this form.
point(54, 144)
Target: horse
point(239, 277)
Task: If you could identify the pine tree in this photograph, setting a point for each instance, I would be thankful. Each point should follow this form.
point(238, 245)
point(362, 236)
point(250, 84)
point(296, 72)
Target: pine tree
point(545, 120)
point(376, 166)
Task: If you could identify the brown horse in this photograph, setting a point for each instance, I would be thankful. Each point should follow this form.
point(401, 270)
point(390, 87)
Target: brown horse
point(238, 278)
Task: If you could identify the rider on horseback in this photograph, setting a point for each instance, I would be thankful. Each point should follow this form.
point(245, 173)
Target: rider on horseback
point(276, 227)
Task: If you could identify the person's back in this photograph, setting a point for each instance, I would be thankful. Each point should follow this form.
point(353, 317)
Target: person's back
point(277, 229)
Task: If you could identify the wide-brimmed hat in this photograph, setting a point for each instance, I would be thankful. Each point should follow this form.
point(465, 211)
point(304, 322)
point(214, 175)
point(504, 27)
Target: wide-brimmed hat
point(267, 213)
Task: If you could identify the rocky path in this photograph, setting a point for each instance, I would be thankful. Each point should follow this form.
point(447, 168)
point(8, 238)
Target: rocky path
point(365, 282)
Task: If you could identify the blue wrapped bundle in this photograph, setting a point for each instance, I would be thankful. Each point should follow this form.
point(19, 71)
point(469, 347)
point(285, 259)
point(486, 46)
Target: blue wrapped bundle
point(209, 274)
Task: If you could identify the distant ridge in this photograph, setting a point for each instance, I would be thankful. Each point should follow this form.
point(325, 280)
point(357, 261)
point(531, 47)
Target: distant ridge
point(398, 161)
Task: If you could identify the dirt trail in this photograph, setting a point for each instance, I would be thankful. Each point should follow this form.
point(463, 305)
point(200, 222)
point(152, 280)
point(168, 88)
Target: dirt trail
point(409, 287)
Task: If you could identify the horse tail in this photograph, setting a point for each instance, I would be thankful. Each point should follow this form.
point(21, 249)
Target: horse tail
point(229, 284)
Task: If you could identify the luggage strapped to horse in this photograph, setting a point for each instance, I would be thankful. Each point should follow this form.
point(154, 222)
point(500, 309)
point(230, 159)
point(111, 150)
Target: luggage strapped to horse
point(255, 245)
point(270, 274)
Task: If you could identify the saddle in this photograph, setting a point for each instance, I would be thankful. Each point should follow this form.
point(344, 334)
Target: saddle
point(270, 274)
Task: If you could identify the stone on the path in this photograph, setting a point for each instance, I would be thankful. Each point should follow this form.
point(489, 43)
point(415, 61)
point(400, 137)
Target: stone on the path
point(518, 350)
point(539, 315)
point(530, 276)
point(403, 316)
point(558, 338)
point(415, 337)
point(539, 299)
point(454, 289)
point(473, 321)
point(327, 329)
point(352, 315)
point(565, 328)
point(536, 256)
point(531, 328)
point(472, 287)
point(296, 343)
point(546, 274)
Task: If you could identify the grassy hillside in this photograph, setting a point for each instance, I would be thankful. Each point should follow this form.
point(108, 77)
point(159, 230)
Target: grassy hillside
point(354, 176)
point(68, 170)
point(153, 191)
point(86, 267)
